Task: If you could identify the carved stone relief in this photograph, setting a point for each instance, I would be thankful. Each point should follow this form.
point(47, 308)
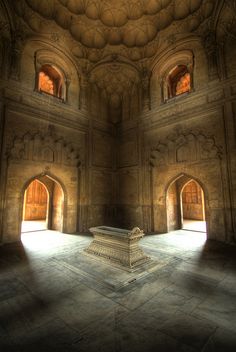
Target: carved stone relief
point(99, 33)
point(183, 147)
point(43, 147)
point(118, 246)
point(18, 42)
point(116, 78)
point(96, 29)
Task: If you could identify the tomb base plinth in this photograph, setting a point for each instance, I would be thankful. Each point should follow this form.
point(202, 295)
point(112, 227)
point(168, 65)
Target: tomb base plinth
point(118, 246)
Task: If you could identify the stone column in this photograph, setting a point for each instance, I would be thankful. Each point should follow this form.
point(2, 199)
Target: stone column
point(145, 79)
point(190, 70)
point(37, 66)
point(84, 85)
point(221, 61)
point(211, 52)
point(162, 88)
point(5, 59)
point(65, 94)
point(16, 51)
point(2, 165)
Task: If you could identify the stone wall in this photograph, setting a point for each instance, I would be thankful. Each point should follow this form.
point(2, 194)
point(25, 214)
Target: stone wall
point(115, 143)
point(191, 135)
point(42, 135)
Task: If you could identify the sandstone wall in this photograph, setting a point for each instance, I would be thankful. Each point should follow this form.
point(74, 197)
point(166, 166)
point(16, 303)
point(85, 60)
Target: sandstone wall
point(114, 142)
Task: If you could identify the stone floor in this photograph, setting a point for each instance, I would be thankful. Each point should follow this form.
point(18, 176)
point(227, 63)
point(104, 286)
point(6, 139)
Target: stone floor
point(33, 225)
point(194, 225)
point(55, 298)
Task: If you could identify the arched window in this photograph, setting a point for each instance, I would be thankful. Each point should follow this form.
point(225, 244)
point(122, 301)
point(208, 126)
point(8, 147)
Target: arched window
point(178, 81)
point(51, 81)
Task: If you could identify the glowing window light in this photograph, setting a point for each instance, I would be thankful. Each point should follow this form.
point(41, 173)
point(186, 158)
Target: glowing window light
point(46, 84)
point(183, 84)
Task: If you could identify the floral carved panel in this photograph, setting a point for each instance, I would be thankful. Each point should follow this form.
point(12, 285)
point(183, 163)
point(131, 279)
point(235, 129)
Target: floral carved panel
point(183, 147)
point(39, 147)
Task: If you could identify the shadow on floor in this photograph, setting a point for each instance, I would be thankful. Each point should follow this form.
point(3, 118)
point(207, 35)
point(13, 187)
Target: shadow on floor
point(213, 250)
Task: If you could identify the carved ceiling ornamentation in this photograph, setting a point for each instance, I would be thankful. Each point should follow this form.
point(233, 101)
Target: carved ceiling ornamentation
point(102, 27)
point(134, 31)
point(116, 79)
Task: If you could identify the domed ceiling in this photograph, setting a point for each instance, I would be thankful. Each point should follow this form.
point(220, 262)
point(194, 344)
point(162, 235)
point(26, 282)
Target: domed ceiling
point(98, 28)
point(99, 32)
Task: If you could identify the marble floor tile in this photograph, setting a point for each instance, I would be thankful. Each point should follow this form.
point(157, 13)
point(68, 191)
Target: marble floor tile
point(53, 298)
point(218, 308)
point(221, 341)
point(189, 330)
point(54, 336)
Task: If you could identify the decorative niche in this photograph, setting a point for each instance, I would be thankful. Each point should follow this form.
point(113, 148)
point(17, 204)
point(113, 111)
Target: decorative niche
point(52, 75)
point(176, 75)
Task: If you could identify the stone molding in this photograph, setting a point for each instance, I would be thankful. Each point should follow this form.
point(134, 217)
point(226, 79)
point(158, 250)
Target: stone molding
point(185, 146)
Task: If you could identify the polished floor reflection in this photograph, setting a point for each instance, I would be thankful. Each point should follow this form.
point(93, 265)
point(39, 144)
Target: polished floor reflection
point(55, 298)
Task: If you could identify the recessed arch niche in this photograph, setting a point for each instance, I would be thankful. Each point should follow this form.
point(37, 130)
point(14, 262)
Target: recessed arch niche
point(26, 162)
point(195, 155)
point(43, 204)
point(174, 70)
point(185, 202)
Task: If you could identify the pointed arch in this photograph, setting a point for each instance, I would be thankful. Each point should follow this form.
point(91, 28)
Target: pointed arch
point(174, 204)
point(53, 186)
point(190, 177)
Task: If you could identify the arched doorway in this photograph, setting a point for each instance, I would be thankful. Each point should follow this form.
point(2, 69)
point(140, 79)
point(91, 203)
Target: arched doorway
point(186, 205)
point(193, 207)
point(35, 208)
point(43, 205)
